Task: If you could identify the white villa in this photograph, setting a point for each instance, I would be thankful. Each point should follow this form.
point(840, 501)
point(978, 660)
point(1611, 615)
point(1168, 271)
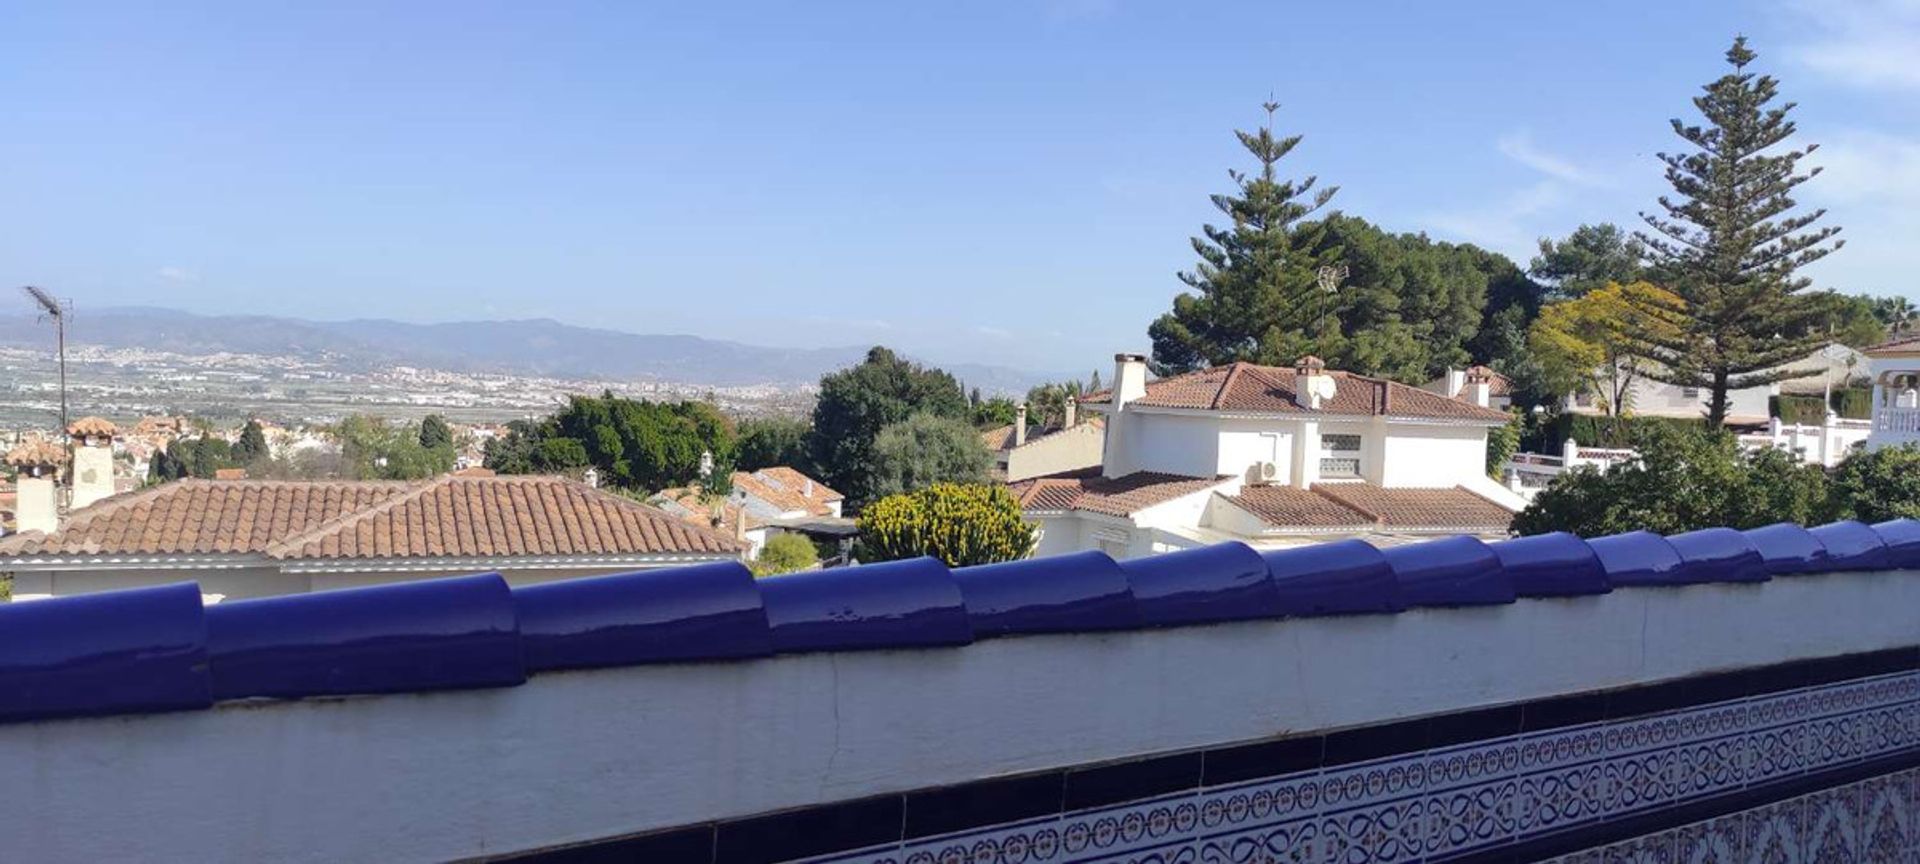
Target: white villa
point(1274, 457)
point(1895, 367)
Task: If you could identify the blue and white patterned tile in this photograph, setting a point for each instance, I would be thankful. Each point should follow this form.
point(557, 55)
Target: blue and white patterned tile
point(1100, 834)
point(1886, 818)
point(1028, 842)
point(1652, 849)
point(1292, 842)
point(1715, 841)
point(1830, 825)
point(1467, 818)
point(1773, 833)
point(1376, 834)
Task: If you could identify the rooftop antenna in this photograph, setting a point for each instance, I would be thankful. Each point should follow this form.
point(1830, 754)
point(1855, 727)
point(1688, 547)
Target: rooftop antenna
point(1329, 277)
point(51, 309)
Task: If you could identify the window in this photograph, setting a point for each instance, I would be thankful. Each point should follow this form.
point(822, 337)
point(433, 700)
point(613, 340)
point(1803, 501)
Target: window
point(1689, 392)
point(1340, 455)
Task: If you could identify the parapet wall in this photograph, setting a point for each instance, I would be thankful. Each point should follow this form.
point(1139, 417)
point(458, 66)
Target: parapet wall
point(848, 703)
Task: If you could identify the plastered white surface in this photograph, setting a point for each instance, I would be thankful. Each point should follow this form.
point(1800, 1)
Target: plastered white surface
point(583, 755)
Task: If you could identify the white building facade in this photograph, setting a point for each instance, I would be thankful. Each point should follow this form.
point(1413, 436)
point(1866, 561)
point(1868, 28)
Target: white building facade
point(1895, 367)
point(1274, 457)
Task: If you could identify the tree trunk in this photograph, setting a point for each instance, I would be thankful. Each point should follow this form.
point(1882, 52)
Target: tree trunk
point(1717, 405)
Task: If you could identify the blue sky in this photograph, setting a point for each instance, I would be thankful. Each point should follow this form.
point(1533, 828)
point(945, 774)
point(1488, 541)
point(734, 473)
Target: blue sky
point(992, 181)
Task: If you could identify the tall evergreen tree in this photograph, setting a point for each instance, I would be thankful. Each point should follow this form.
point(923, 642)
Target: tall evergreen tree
point(434, 432)
point(1728, 246)
point(1255, 283)
point(252, 444)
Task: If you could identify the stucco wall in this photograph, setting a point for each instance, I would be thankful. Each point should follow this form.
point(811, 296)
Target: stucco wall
point(244, 582)
point(575, 756)
point(1433, 456)
point(1066, 450)
point(1177, 444)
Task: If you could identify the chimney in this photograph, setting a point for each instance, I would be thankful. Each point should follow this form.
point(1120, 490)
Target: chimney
point(1312, 385)
point(92, 439)
point(1480, 386)
point(1129, 379)
point(37, 501)
point(1129, 384)
point(1072, 412)
point(1456, 381)
point(1019, 424)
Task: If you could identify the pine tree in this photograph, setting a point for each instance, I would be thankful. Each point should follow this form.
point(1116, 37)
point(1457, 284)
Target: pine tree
point(1727, 246)
point(434, 432)
point(252, 444)
point(1255, 283)
point(1093, 383)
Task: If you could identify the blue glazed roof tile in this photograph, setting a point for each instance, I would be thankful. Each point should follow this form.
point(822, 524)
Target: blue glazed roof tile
point(1452, 571)
point(1080, 591)
point(1223, 582)
point(1903, 541)
point(435, 634)
point(898, 604)
point(703, 612)
point(142, 649)
point(1638, 558)
point(1719, 555)
point(1346, 576)
point(1551, 565)
point(1788, 548)
point(1852, 546)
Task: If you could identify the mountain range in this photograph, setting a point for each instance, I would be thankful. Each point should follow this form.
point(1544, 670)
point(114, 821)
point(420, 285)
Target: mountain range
point(533, 347)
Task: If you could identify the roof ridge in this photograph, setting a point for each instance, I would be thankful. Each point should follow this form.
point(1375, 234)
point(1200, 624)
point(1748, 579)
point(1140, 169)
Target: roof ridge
point(1315, 489)
point(1226, 384)
point(115, 503)
point(644, 510)
point(290, 545)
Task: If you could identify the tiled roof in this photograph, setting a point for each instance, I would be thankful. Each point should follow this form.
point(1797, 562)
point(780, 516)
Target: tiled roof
point(448, 516)
point(37, 451)
point(1367, 506)
point(99, 426)
point(688, 505)
point(787, 489)
point(1288, 507)
point(1118, 496)
point(998, 438)
point(1270, 389)
point(1902, 342)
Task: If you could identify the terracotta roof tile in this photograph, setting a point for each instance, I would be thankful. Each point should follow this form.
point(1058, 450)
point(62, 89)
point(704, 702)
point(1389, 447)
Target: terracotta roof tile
point(1270, 389)
point(92, 426)
point(787, 489)
point(1117, 496)
point(1364, 506)
point(37, 452)
point(448, 516)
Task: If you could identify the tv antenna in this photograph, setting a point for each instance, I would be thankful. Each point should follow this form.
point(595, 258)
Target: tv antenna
point(1329, 276)
point(53, 310)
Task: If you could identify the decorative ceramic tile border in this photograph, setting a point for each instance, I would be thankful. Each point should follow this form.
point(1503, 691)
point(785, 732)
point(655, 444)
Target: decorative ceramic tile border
point(1460, 801)
point(1871, 820)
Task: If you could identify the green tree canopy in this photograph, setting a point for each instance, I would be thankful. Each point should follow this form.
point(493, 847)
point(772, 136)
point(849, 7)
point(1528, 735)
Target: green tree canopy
point(252, 445)
point(1684, 480)
point(1585, 345)
point(1879, 485)
point(374, 449)
point(1591, 258)
point(857, 402)
point(926, 449)
point(634, 444)
point(434, 432)
point(1255, 292)
point(766, 442)
point(1047, 403)
point(962, 525)
point(785, 553)
point(994, 413)
point(1729, 245)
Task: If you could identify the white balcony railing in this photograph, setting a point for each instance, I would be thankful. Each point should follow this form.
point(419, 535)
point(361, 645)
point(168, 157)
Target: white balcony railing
point(1897, 420)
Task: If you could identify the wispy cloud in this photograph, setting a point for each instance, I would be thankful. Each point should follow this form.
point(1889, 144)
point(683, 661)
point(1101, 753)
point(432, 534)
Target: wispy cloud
point(1519, 147)
point(1508, 225)
point(178, 275)
point(993, 332)
point(1862, 43)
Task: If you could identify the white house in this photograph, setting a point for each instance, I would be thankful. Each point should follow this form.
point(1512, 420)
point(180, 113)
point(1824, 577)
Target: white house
point(1895, 367)
point(1020, 453)
point(1832, 365)
point(1273, 457)
point(1454, 384)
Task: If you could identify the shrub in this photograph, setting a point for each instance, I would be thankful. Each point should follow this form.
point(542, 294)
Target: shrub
point(961, 525)
point(785, 553)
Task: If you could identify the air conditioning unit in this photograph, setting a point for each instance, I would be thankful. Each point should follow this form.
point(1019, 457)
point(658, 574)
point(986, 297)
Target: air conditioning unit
point(1265, 472)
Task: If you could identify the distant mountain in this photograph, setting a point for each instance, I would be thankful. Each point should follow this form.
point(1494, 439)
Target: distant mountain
point(539, 347)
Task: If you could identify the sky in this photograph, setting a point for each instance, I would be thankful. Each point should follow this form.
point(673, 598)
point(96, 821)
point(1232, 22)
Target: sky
point(1001, 181)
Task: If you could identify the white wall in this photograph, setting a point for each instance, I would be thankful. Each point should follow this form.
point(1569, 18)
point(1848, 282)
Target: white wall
point(1065, 450)
point(1660, 399)
point(261, 581)
point(1173, 443)
point(584, 755)
point(1433, 456)
point(1246, 442)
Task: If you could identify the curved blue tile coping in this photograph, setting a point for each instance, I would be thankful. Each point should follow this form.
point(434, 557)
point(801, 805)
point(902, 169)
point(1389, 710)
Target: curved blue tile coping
point(159, 649)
